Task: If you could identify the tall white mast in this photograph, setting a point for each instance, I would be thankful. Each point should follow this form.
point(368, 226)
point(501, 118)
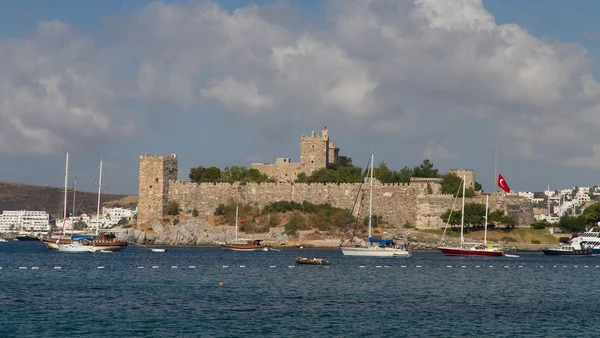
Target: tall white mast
point(487, 197)
point(65, 200)
point(462, 217)
point(236, 222)
point(99, 191)
point(73, 216)
point(74, 190)
point(371, 198)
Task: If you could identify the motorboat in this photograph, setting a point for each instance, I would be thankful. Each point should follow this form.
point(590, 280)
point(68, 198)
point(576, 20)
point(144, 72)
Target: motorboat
point(313, 261)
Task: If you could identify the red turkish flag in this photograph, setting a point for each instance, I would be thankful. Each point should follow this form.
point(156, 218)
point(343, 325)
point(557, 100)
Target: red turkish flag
point(324, 127)
point(241, 221)
point(502, 183)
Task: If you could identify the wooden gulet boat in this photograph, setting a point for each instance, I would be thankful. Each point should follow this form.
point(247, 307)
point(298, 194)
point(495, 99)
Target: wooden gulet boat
point(243, 244)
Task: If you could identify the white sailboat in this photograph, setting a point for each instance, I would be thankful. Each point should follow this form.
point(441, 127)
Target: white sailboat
point(375, 247)
point(75, 245)
point(471, 249)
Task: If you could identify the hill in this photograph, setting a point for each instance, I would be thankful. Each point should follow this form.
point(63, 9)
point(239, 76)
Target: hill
point(17, 196)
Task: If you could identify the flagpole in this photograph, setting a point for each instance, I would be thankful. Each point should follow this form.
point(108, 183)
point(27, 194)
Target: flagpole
point(495, 169)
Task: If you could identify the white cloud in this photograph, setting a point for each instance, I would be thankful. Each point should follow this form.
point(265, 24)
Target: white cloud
point(54, 94)
point(397, 68)
point(435, 151)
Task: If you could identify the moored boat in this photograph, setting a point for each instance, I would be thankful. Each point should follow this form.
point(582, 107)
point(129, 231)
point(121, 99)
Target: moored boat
point(472, 249)
point(313, 261)
point(26, 238)
point(239, 244)
point(375, 247)
point(249, 245)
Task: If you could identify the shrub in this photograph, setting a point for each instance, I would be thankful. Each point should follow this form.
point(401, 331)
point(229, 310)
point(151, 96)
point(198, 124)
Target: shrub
point(407, 225)
point(273, 220)
point(172, 208)
point(176, 221)
point(166, 220)
point(195, 212)
point(509, 239)
point(535, 241)
point(564, 239)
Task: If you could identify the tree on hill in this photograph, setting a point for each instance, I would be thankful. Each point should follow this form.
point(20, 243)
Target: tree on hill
point(451, 184)
point(592, 214)
point(475, 217)
point(425, 170)
point(228, 175)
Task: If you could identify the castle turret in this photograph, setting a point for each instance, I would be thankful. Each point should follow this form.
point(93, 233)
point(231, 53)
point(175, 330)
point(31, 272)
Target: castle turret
point(155, 174)
point(469, 179)
point(314, 151)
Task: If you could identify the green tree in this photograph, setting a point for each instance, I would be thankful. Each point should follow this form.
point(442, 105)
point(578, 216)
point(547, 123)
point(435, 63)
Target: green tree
point(324, 175)
point(123, 221)
point(383, 173)
point(195, 212)
point(592, 214)
point(572, 224)
point(451, 184)
point(478, 186)
point(425, 170)
point(302, 178)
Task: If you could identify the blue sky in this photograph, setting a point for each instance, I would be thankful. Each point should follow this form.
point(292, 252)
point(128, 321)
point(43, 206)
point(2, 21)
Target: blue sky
point(235, 82)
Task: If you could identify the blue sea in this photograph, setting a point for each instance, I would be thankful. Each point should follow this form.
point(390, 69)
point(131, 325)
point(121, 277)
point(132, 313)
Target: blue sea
point(139, 293)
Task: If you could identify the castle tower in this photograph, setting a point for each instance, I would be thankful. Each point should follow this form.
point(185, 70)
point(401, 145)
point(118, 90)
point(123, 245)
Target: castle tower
point(155, 173)
point(314, 151)
point(469, 176)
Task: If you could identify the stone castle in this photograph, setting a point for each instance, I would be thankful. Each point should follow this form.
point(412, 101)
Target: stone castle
point(316, 152)
point(418, 204)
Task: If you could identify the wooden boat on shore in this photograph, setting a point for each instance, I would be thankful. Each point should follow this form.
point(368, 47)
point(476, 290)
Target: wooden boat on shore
point(313, 261)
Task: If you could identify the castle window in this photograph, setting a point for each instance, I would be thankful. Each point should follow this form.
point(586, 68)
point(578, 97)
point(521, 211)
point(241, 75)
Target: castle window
point(150, 187)
point(156, 180)
point(313, 145)
point(312, 161)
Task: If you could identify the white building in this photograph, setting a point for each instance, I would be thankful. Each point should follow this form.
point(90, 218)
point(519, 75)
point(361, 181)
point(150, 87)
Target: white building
point(24, 220)
point(526, 194)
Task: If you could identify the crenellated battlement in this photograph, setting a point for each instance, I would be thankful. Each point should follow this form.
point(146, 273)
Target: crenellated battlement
point(418, 203)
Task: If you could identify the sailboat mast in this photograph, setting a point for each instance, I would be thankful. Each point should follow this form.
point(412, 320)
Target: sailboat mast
point(462, 217)
point(73, 213)
point(99, 191)
point(236, 222)
point(371, 199)
point(74, 190)
point(65, 198)
point(487, 197)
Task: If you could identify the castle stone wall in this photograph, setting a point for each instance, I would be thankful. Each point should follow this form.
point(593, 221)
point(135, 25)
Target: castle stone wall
point(155, 174)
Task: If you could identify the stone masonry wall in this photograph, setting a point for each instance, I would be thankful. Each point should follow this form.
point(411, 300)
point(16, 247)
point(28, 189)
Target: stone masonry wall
point(155, 174)
point(395, 203)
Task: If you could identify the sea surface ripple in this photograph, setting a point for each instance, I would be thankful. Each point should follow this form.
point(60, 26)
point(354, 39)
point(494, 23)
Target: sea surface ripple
point(138, 293)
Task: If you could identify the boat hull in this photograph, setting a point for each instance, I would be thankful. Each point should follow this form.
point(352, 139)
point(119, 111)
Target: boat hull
point(26, 238)
point(375, 252)
point(471, 252)
point(95, 246)
point(241, 247)
point(551, 252)
point(312, 261)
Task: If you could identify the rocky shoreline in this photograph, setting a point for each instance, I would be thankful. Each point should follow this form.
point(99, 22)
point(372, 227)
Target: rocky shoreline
point(198, 232)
